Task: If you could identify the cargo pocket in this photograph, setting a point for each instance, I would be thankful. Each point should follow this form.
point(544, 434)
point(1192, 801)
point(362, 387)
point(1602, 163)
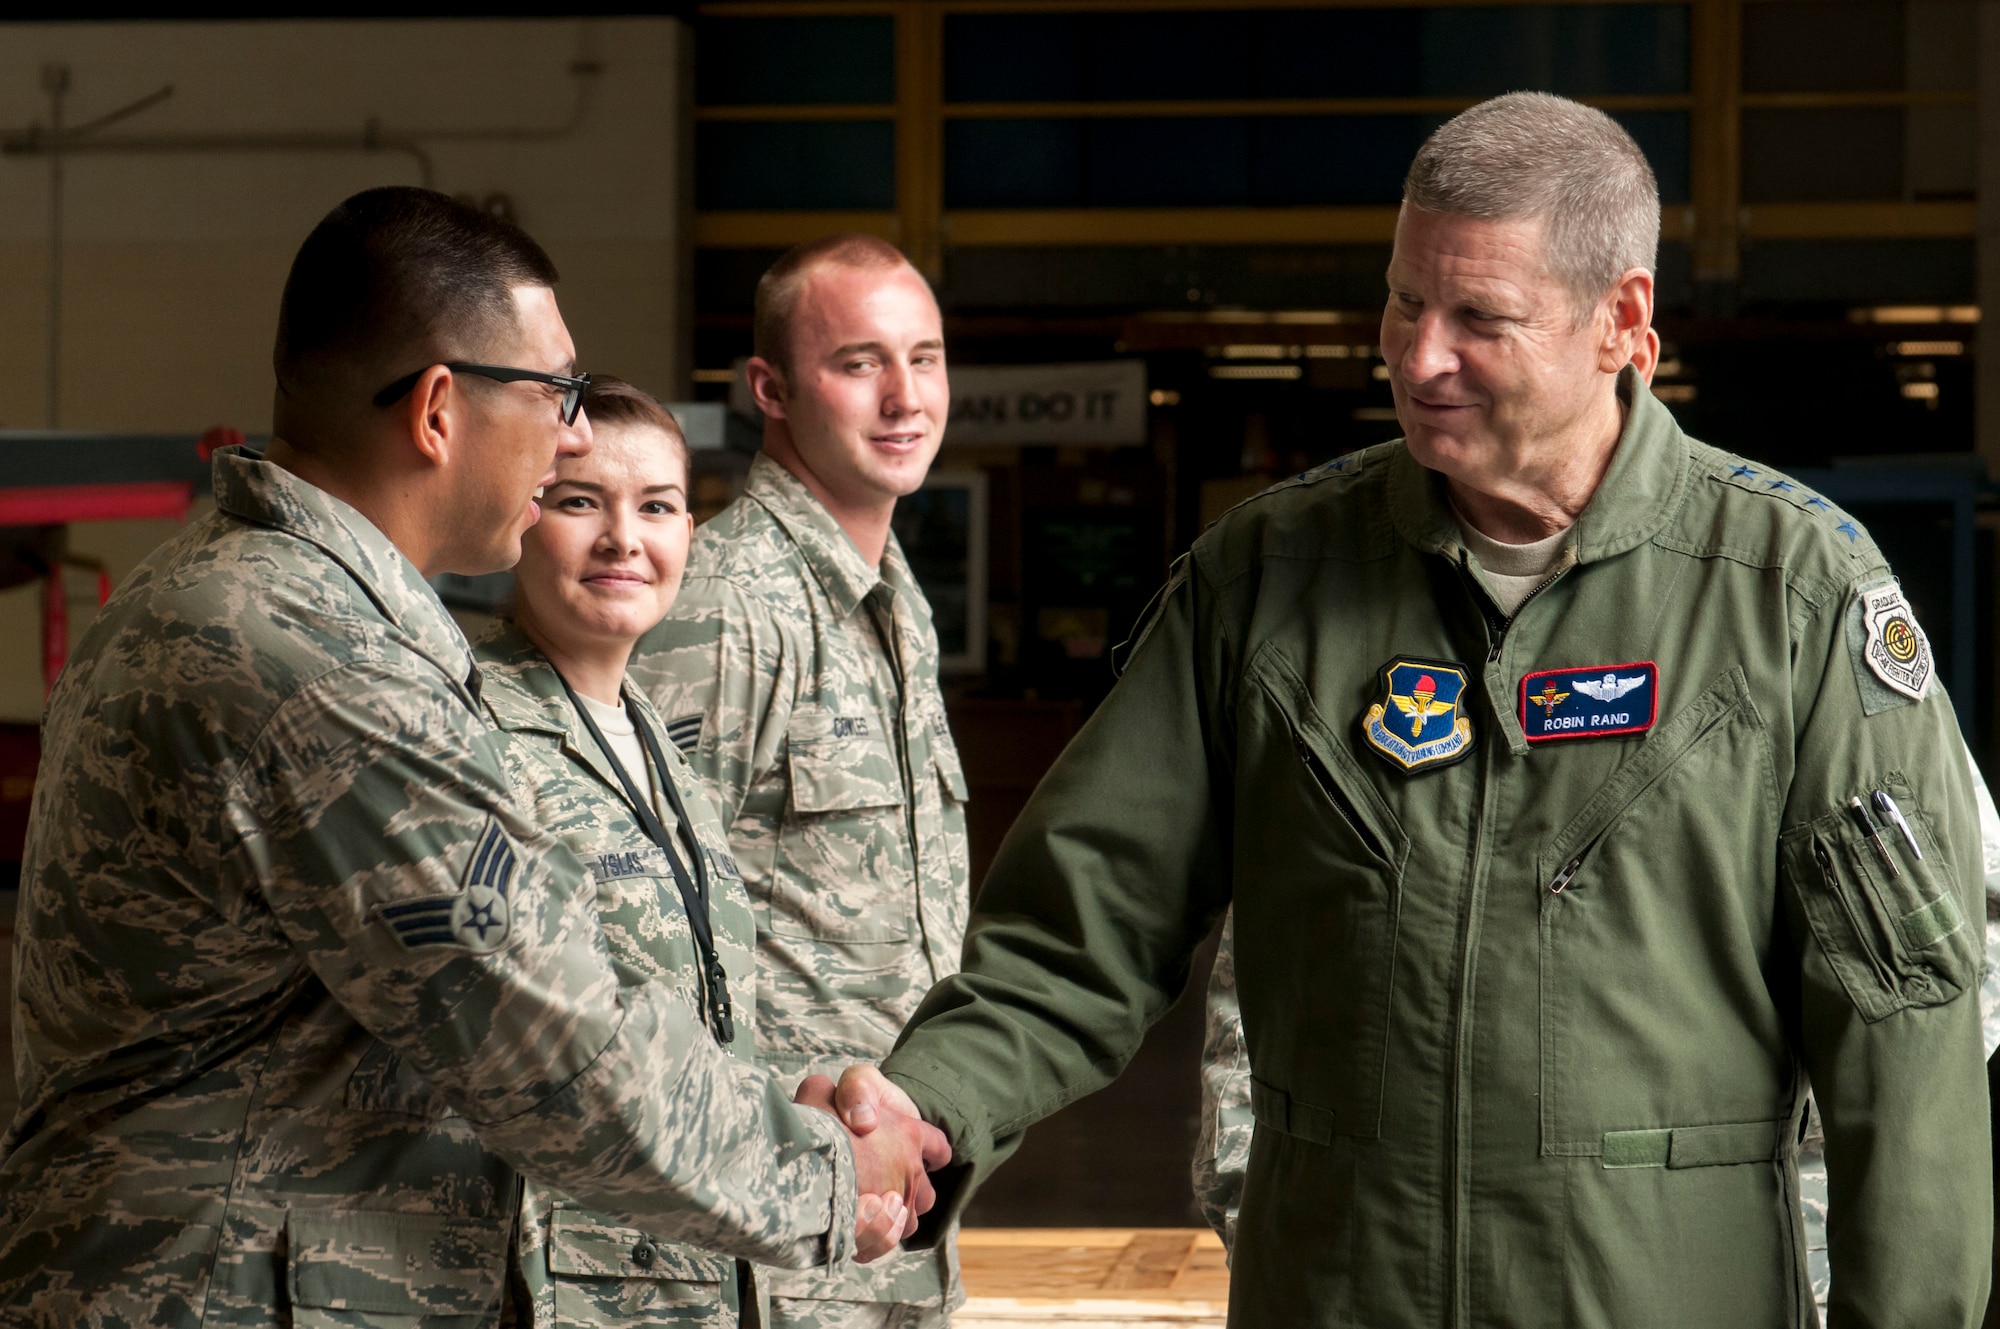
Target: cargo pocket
point(602, 1273)
point(1895, 936)
point(842, 863)
point(353, 1266)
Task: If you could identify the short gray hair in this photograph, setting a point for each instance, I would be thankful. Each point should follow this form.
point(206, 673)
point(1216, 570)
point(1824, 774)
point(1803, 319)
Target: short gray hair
point(1533, 156)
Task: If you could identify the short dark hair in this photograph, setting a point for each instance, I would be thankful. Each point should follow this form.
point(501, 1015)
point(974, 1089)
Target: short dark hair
point(395, 273)
point(778, 289)
point(613, 401)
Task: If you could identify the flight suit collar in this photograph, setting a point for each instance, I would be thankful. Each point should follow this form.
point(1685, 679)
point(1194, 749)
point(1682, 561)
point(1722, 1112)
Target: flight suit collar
point(254, 490)
point(835, 563)
point(1640, 492)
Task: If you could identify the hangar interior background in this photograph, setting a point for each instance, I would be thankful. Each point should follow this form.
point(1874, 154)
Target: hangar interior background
point(1184, 203)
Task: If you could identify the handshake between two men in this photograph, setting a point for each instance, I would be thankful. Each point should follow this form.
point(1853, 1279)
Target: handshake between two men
point(895, 1151)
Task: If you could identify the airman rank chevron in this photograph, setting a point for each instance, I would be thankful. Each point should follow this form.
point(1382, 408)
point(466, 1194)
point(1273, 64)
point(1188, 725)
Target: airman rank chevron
point(1593, 701)
point(477, 918)
point(1418, 724)
point(685, 733)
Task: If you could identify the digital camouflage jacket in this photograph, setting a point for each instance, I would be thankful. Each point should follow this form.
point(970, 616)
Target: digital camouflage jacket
point(803, 685)
point(578, 1266)
point(300, 985)
point(1541, 923)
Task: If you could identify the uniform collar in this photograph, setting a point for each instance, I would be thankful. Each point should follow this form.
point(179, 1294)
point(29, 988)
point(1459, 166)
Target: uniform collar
point(257, 491)
point(525, 693)
point(1639, 495)
point(835, 563)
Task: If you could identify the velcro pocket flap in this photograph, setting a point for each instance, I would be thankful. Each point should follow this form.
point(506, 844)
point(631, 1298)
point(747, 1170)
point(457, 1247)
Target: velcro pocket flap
point(844, 774)
point(1697, 1146)
point(386, 1263)
point(584, 1245)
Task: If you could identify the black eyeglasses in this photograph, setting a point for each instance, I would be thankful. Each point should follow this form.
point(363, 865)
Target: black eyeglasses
point(573, 386)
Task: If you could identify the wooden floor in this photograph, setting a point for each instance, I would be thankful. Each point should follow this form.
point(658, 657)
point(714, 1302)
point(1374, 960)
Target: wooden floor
point(1092, 1278)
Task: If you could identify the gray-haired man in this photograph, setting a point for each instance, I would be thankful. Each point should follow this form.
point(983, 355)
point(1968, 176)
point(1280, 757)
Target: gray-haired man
point(1557, 767)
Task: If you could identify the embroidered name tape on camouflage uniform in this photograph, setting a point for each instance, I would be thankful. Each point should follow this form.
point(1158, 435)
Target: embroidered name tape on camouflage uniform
point(476, 918)
point(1596, 701)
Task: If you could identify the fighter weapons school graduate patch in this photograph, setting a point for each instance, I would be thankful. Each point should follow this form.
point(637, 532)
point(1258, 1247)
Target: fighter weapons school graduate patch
point(1418, 725)
point(1594, 701)
point(1894, 648)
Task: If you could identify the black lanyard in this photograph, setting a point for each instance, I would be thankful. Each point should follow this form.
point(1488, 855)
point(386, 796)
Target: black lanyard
point(694, 894)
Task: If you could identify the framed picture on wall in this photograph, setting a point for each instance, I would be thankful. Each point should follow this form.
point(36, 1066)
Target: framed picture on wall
point(942, 528)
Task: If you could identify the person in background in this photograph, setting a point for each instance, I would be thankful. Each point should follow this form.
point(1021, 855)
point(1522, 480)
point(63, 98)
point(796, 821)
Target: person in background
point(299, 985)
point(588, 759)
point(799, 670)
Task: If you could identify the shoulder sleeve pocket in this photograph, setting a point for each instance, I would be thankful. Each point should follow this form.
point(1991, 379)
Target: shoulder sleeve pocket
point(1890, 924)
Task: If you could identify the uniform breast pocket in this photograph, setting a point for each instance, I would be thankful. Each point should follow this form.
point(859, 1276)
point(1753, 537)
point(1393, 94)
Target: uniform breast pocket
point(1888, 921)
point(606, 1274)
point(843, 861)
point(1655, 916)
point(1319, 877)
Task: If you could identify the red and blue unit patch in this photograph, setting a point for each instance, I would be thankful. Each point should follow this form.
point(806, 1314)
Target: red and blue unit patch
point(1594, 701)
point(1419, 724)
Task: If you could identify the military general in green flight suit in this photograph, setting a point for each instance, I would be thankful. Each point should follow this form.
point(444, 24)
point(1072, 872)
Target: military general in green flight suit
point(1584, 795)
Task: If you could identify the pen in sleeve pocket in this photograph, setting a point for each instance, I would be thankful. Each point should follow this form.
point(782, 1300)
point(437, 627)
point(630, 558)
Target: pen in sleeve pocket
point(1887, 806)
point(1864, 823)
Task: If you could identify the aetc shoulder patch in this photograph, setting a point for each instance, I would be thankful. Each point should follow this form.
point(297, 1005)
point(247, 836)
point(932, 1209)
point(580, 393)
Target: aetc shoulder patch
point(1893, 647)
point(478, 918)
point(1594, 701)
point(1419, 724)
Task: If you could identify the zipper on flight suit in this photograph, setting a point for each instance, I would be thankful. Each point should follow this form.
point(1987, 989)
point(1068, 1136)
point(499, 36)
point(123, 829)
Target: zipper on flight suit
point(1342, 805)
point(1458, 1307)
point(1497, 623)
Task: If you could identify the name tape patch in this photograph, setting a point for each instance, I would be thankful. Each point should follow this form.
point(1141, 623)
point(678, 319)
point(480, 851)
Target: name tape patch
point(1594, 701)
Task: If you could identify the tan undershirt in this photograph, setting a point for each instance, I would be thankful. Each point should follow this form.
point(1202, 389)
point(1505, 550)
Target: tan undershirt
point(1512, 570)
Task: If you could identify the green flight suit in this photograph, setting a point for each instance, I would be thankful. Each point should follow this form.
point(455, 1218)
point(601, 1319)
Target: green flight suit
point(1481, 1101)
point(580, 1266)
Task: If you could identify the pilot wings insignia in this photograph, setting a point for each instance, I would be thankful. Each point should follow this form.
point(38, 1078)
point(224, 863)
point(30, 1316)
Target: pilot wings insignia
point(1609, 688)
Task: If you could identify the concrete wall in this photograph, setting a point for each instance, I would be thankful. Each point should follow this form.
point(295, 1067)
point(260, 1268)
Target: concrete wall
point(174, 260)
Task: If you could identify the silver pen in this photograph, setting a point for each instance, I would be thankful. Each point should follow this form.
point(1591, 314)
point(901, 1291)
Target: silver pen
point(1888, 808)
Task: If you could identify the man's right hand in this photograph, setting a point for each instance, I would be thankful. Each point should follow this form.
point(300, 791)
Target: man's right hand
point(891, 1164)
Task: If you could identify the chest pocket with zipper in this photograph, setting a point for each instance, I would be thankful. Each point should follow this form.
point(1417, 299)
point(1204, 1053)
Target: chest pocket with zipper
point(1328, 904)
point(1657, 904)
point(1895, 938)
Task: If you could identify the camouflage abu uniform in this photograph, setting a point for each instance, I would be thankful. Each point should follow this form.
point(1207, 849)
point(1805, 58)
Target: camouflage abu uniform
point(580, 1267)
point(1222, 1149)
point(297, 981)
point(803, 684)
